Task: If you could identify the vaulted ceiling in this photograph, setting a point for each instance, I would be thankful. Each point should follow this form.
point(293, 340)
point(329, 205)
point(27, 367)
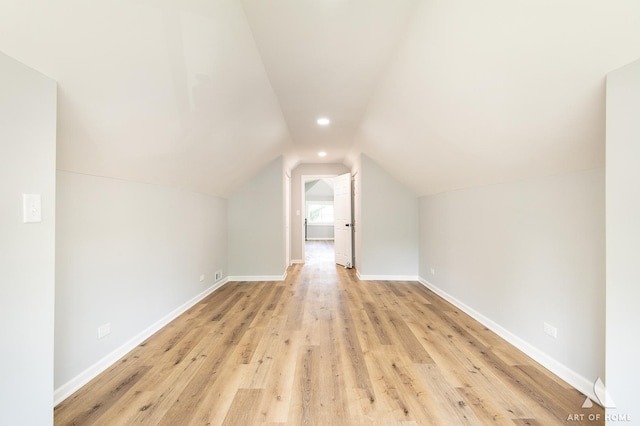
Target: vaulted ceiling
point(201, 94)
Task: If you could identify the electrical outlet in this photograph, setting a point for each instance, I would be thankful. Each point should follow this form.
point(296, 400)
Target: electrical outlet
point(31, 208)
point(551, 330)
point(218, 275)
point(433, 271)
point(201, 277)
point(104, 330)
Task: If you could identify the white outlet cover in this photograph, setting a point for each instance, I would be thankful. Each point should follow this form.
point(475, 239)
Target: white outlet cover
point(551, 330)
point(104, 330)
point(31, 208)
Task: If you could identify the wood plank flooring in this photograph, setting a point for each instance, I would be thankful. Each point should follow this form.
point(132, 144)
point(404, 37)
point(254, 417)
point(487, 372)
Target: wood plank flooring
point(323, 348)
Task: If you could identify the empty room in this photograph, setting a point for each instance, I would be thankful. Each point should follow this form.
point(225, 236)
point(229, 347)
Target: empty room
point(329, 212)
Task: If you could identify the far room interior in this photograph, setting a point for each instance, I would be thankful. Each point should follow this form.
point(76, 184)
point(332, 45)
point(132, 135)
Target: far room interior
point(163, 166)
point(318, 210)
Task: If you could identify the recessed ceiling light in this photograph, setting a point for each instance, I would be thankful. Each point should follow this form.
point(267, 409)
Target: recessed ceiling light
point(323, 121)
point(322, 154)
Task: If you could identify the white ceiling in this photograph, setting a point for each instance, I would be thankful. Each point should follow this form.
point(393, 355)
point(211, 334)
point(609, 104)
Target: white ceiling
point(200, 94)
point(324, 58)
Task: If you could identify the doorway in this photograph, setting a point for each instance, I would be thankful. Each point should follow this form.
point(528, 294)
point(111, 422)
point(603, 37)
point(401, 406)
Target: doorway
point(318, 218)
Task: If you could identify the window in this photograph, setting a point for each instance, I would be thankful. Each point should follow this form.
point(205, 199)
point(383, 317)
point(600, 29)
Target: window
point(319, 213)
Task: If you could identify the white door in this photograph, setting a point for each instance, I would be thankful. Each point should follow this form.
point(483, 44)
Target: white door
point(342, 220)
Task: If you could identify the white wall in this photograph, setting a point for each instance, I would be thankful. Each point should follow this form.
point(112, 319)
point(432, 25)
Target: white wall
point(128, 254)
point(623, 239)
point(524, 253)
point(27, 251)
point(388, 225)
point(257, 225)
point(297, 220)
point(320, 232)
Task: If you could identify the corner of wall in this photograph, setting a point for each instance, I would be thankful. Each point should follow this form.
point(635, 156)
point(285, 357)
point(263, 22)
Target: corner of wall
point(256, 224)
point(27, 250)
point(387, 240)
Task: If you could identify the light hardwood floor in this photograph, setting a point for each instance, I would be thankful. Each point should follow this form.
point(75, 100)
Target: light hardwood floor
point(323, 348)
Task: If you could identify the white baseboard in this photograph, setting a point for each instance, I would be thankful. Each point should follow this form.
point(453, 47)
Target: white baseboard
point(565, 373)
point(67, 389)
point(258, 277)
point(295, 261)
point(320, 239)
point(363, 277)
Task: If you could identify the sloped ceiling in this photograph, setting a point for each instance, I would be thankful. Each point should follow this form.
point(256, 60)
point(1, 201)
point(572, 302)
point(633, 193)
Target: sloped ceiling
point(487, 92)
point(201, 94)
point(319, 189)
point(324, 59)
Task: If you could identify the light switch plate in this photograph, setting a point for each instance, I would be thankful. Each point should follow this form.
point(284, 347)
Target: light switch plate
point(31, 208)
